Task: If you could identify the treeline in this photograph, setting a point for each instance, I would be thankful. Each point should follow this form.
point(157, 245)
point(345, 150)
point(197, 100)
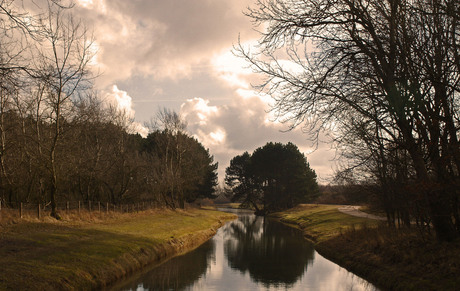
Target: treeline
point(59, 141)
point(97, 159)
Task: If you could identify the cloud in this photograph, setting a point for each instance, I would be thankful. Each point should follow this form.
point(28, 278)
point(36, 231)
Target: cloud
point(178, 54)
point(165, 39)
point(244, 125)
point(232, 69)
point(120, 99)
point(123, 103)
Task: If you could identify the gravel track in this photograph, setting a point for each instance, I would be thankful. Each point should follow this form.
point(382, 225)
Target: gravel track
point(354, 211)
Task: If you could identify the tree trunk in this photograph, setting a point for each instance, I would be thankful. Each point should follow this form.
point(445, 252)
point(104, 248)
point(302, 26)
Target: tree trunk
point(436, 198)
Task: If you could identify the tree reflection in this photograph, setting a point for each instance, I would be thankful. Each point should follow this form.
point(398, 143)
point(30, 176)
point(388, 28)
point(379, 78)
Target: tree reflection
point(179, 272)
point(272, 253)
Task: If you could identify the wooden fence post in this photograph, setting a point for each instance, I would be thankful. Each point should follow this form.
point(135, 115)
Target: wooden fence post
point(67, 205)
point(20, 210)
point(107, 207)
point(38, 210)
point(99, 205)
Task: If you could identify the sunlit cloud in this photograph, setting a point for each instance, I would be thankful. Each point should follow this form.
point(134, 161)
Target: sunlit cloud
point(243, 125)
point(121, 101)
point(290, 66)
point(232, 69)
point(137, 127)
point(85, 3)
point(197, 111)
point(92, 4)
point(93, 50)
point(164, 39)
point(218, 136)
point(180, 55)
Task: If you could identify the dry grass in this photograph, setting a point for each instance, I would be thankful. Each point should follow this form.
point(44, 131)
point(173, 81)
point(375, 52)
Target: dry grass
point(395, 259)
point(11, 216)
point(398, 259)
point(89, 250)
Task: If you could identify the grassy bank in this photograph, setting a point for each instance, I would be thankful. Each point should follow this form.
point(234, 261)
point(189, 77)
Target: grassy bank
point(322, 222)
point(93, 251)
point(390, 258)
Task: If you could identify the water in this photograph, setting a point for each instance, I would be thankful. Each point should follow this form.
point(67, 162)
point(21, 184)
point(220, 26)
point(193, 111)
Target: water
point(250, 253)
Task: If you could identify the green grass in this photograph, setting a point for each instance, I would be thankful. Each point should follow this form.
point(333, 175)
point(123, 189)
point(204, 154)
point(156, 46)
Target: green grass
point(322, 222)
point(393, 259)
point(226, 205)
point(70, 254)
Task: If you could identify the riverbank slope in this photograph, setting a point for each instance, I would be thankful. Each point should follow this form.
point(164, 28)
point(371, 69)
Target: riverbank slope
point(92, 252)
point(390, 258)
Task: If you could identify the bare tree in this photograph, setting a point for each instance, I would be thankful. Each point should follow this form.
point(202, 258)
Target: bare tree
point(64, 59)
point(392, 65)
point(173, 127)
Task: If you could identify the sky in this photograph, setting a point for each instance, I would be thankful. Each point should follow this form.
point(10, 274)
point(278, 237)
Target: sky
point(177, 54)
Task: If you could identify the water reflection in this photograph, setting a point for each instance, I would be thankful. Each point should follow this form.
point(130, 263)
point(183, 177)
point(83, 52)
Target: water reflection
point(177, 273)
point(270, 252)
point(249, 254)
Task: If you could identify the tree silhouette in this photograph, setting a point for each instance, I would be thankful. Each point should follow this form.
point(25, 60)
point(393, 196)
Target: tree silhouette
point(274, 177)
point(385, 73)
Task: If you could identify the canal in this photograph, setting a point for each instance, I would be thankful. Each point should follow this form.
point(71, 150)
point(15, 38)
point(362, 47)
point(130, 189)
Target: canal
point(250, 253)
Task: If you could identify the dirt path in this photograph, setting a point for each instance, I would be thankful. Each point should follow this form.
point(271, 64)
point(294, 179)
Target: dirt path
point(354, 211)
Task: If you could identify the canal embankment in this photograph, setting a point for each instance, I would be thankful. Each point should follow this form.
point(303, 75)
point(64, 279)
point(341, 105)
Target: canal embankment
point(393, 259)
point(92, 252)
point(249, 253)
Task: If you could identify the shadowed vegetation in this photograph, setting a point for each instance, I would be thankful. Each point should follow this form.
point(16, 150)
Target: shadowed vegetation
point(394, 259)
point(382, 79)
point(274, 177)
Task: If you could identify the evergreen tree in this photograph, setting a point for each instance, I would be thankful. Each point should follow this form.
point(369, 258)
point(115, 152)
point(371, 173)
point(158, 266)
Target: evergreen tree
point(274, 177)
